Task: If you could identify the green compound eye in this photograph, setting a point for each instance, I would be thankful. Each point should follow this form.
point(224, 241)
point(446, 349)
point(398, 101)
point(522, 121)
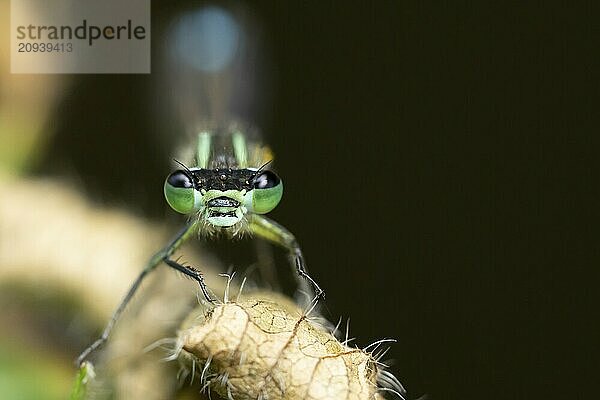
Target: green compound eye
point(179, 192)
point(267, 192)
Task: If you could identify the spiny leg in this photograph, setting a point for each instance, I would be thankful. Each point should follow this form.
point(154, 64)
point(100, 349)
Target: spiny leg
point(298, 259)
point(192, 273)
point(115, 316)
point(276, 233)
point(162, 255)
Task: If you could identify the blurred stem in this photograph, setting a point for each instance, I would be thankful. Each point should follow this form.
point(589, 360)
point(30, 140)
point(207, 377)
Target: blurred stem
point(84, 375)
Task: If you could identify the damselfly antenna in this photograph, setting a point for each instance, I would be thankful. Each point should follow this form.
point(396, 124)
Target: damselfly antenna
point(185, 167)
point(262, 168)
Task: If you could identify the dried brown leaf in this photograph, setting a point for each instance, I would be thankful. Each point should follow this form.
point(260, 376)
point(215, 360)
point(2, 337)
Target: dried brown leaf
point(258, 349)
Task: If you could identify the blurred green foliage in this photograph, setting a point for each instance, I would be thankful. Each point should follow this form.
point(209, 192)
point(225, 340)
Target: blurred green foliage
point(28, 374)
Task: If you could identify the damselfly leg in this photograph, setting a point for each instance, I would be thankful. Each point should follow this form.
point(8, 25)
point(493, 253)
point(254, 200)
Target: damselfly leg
point(161, 256)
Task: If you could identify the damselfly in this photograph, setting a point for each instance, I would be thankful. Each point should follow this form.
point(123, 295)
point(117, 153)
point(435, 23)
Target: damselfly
point(228, 190)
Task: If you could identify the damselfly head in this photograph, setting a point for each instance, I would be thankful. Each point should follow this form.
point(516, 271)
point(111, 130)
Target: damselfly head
point(223, 197)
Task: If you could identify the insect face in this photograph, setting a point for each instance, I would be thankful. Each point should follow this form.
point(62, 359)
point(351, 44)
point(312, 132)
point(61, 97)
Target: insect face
point(223, 196)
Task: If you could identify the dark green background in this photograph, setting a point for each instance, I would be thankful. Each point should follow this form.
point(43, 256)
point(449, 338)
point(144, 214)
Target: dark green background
point(433, 171)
